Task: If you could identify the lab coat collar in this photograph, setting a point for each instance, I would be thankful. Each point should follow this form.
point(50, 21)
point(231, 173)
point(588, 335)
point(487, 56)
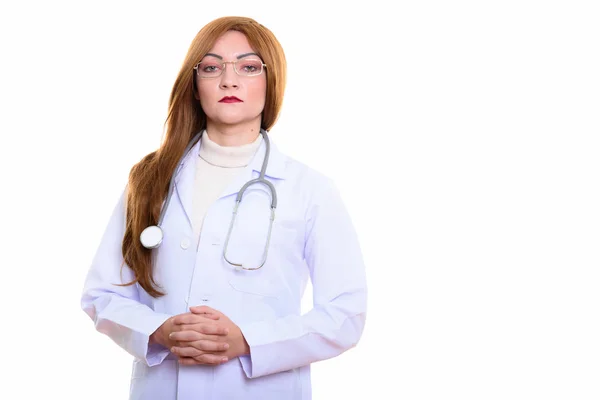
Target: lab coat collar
point(184, 180)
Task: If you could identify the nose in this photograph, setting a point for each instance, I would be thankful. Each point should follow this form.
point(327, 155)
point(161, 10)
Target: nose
point(229, 78)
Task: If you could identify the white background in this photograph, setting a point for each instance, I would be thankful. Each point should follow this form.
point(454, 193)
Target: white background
point(463, 136)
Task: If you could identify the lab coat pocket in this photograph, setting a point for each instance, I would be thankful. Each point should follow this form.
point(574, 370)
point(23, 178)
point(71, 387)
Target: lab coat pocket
point(253, 299)
point(281, 385)
point(255, 285)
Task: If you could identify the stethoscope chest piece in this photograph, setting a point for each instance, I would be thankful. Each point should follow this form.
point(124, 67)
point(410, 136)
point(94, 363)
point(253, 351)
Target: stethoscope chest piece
point(151, 237)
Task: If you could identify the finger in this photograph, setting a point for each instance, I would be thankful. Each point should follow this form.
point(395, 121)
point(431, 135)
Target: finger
point(208, 346)
point(206, 329)
point(199, 347)
point(186, 351)
point(204, 310)
point(213, 329)
point(210, 359)
point(191, 318)
point(186, 336)
point(212, 316)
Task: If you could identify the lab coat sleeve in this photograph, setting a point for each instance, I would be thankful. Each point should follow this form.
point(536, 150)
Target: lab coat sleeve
point(337, 319)
point(116, 310)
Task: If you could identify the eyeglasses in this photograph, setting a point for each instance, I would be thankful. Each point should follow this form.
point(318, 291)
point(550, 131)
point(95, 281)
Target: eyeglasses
point(213, 68)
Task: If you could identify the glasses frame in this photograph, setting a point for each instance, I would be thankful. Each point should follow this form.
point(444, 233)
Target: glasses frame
point(223, 64)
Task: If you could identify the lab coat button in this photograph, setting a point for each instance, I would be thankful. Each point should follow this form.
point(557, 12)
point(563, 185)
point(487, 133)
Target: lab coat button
point(185, 243)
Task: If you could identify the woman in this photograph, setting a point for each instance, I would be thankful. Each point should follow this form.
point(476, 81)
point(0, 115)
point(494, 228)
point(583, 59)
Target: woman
point(213, 312)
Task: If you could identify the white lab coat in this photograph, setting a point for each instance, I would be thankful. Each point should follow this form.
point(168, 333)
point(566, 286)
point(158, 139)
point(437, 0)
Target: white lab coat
point(313, 237)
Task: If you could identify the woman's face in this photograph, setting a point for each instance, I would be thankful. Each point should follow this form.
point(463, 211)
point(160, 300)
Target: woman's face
point(213, 91)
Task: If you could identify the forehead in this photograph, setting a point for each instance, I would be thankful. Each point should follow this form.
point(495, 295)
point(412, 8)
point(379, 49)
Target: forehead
point(231, 44)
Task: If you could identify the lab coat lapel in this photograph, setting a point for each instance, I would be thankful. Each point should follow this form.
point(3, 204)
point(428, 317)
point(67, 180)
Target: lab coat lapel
point(184, 181)
point(275, 168)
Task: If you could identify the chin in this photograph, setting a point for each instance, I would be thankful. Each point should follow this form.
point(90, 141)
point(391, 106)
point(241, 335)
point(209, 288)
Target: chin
point(234, 119)
point(231, 121)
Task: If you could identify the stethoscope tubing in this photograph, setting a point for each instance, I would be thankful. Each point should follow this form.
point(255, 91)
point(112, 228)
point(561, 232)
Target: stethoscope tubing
point(152, 236)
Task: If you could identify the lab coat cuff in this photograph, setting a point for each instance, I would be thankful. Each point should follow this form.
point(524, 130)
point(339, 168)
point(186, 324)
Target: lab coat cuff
point(246, 362)
point(257, 334)
point(156, 354)
point(152, 353)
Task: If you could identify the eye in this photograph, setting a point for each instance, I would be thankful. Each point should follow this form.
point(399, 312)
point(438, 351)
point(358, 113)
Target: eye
point(209, 67)
point(249, 66)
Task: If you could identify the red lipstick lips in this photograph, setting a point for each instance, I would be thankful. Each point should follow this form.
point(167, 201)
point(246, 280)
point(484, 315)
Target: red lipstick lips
point(230, 99)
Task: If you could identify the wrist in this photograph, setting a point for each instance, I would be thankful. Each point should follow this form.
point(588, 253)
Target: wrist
point(245, 347)
point(157, 337)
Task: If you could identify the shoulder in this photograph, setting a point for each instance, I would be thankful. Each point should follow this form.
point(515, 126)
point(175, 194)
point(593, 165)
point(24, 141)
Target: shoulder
point(310, 189)
point(306, 177)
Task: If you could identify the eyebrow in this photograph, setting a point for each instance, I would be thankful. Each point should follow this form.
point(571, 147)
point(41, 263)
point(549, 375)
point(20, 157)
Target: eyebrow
point(238, 57)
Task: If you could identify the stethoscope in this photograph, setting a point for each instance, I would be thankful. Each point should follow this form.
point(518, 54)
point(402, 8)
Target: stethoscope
point(152, 236)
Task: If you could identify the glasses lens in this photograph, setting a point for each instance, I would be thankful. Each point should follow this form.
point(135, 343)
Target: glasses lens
point(209, 68)
point(249, 67)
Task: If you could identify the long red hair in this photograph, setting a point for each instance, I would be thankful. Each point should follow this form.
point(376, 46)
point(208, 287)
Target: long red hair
point(149, 178)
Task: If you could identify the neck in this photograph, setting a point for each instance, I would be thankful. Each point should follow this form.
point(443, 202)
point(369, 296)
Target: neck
point(227, 156)
point(233, 135)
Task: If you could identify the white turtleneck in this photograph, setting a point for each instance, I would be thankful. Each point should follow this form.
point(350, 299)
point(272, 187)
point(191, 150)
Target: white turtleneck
point(216, 166)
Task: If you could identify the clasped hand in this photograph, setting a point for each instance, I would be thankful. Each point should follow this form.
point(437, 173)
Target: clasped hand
point(202, 336)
